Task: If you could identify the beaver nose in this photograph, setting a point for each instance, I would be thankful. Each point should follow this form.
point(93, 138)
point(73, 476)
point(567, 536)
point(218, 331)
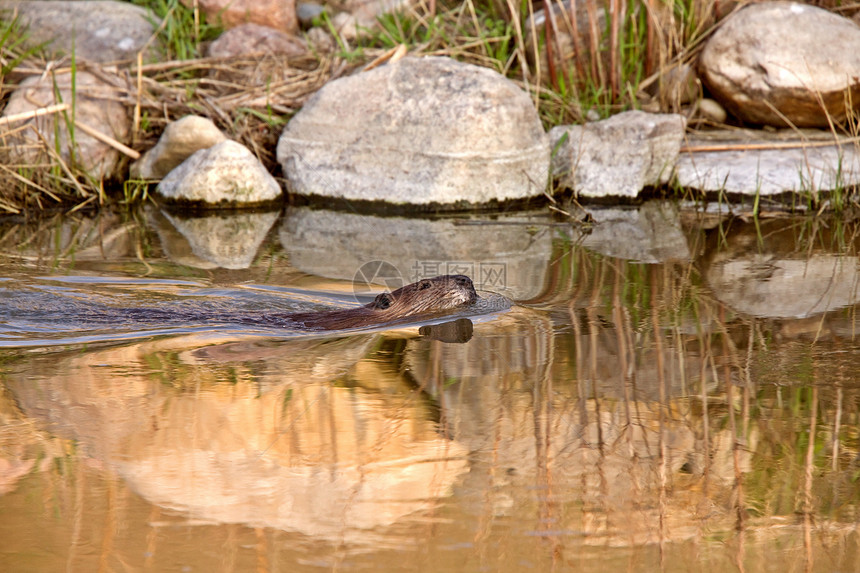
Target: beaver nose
point(463, 280)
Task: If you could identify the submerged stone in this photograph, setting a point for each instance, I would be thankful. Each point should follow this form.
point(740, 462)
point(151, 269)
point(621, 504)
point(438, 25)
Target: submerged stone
point(400, 250)
point(420, 132)
point(650, 233)
point(226, 240)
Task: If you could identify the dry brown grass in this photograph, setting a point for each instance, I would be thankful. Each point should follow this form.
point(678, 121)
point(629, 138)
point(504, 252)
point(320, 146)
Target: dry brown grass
point(249, 99)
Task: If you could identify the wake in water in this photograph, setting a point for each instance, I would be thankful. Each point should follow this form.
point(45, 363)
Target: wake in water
point(84, 310)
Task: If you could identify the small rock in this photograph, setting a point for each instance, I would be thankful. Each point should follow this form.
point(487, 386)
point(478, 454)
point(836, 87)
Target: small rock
point(362, 15)
point(248, 39)
point(711, 110)
point(760, 271)
point(320, 40)
point(277, 14)
point(307, 11)
point(96, 106)
point(180, 139)
point(679, 85)
point(419, 131)
point(746, 167)
point(782, 60)
point(618, 156)
point(95, 31)
point(226, 174)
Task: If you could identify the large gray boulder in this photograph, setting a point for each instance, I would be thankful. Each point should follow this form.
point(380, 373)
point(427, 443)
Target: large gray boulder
point(781, 60)
point(420, 132)
point(92, 30)
point(619, 156)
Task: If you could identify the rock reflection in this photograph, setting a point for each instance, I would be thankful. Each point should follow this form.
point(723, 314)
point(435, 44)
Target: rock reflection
point(650, 233)
point(278, 447)
point(210, 240)
point(84, 236)
point(780, 271)
point(514, 261)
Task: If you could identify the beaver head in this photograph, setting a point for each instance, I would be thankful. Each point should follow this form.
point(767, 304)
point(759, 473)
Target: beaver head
point(426, 296)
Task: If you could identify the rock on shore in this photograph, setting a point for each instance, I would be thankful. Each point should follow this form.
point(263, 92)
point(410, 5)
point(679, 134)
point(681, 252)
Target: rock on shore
point(779, 61)
point(420, 131)
point(226, 174)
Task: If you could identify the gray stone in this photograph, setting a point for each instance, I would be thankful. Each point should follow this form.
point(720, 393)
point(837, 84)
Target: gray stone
point(501, 253)
point(95, 107)
point(92, 30)
point(255, 39)
point(420, 131)
point(782, 60)
point(756, 163)
point(307, 11)
point(618, 156)
point(363, 15)
point(180, 139)
point(650, 233)
point(226, 174)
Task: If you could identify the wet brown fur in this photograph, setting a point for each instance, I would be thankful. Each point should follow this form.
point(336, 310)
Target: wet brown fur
point(425, 297)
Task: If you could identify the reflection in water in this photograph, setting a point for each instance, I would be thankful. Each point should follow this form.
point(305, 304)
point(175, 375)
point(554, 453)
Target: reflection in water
point(675, 415)
point(300, 455)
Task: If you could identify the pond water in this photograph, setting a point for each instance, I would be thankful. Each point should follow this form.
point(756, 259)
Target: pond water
point(671, 391)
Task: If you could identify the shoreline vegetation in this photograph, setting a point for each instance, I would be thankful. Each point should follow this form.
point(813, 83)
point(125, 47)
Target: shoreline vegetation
point(629, 55)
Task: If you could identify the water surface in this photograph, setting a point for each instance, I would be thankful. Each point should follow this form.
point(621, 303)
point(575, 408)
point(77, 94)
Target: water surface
point(672, 391)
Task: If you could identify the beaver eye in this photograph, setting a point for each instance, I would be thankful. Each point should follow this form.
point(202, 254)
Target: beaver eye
point(423, 285)
point(383, 301)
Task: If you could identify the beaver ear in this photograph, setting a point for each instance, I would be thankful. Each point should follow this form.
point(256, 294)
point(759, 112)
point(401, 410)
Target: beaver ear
point(383, 301)
point(424, 284)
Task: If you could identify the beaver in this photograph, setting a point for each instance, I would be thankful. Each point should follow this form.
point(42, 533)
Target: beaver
point(425, 297)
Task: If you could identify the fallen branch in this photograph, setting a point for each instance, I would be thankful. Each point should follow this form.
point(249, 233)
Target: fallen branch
point(25, 115)
point(107, 140)
point(759, 146)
